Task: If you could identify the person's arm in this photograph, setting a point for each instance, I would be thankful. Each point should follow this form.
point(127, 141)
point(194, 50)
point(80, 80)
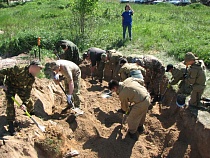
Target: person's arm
point(191, 78)
point(131, 10)
point(71, 87)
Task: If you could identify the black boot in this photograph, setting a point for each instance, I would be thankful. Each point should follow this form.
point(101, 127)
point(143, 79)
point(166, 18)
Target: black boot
point(11, 128)
point(155, 99)
point(133, 136)
point(141, 129)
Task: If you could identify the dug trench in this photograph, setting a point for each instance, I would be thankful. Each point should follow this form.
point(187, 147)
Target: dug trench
point(169, 131)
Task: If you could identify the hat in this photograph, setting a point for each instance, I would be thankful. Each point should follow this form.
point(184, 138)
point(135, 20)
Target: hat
point(37, 63)
point(169, 67)
point(189, 56)
point(123, 61)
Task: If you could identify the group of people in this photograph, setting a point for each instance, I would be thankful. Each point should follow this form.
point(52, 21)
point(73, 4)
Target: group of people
point(137, 81)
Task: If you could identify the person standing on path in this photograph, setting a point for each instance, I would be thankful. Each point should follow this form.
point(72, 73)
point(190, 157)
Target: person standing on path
point(127, 21)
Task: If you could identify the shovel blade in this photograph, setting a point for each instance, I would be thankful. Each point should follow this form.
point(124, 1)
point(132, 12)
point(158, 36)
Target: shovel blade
point(42, 128)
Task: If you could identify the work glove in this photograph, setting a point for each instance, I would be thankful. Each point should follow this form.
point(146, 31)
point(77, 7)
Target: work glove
point(23, 107)
point(69, 98)
point(56, 77)
point(169, 85)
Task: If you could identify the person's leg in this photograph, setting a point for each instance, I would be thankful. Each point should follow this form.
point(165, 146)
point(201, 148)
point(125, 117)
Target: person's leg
point(196, 96)
point(10, 110)
point(101, 70)
point(26, 100)
point(130, 31)
point(124, 31)
point(137, 116)
point(76, 93)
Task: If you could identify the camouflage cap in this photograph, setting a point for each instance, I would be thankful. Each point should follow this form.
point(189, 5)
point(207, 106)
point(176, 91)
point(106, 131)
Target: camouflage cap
point(140, 62)
point(189, 57)
point(37, 63)
point(51, 65)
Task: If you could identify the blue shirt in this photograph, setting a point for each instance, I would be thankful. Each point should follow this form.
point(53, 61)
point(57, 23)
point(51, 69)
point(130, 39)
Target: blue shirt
point(127, 17)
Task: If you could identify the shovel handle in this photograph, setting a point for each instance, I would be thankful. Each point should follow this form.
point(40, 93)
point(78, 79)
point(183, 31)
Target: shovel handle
point(20, 105)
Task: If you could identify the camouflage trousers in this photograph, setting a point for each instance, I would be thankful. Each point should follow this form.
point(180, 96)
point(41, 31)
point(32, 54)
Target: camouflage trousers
point(152, 81)
point(195, 98)
point(76, 92)
point(24, 96)
point(100, 69)
point(114, 68)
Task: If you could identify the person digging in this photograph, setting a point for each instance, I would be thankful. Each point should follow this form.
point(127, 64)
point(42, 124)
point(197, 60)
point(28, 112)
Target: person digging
point(131, 91)
point(72, 77)
point(18, 80)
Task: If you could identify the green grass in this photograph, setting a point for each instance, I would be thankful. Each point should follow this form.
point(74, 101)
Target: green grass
point(162, 27)
point(164, 30)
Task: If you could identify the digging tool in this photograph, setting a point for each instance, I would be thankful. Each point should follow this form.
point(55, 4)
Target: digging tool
point(42, 128)
point(39, 46)
point(71, 105)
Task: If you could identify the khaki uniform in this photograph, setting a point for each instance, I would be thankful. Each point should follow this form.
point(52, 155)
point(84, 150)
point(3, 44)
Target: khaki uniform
point(154, 73)
point(113, 63)
point(177, 75)
point(71, 72)
point(18, 81)
point(71, 54)
point(197, 78)
point(128, 70)
point(133, 92)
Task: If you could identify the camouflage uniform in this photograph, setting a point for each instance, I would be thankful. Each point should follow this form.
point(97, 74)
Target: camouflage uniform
point(177, 75)
point(196, 78)
point(18, 81)
point(128, 70)
point(114, 66)
point(97, 60)
point(154, 73)
point(132, 58)
point(71, 54)
point(71, 72)
point(133, 92)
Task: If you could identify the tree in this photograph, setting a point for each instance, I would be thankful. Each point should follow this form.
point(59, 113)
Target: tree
point(84, 8)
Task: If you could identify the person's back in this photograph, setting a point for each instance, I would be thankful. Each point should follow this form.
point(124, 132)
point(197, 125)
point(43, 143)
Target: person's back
point(95, 54)
point(68, 68)
point(71, 51)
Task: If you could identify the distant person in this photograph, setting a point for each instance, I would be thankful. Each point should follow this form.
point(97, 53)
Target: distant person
point(70, 51)
point(98, 59)
point(127, 21)
point(19, 80)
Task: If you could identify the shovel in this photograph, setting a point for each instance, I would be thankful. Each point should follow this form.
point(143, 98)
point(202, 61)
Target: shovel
point(78, 111)
point(42, 128)
point(106, 94)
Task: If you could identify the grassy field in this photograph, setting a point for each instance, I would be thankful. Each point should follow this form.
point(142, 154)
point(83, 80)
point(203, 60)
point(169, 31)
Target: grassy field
point(168, 28)
point(164, 30)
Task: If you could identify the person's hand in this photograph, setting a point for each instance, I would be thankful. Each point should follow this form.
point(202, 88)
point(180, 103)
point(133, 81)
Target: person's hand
point(169, 85)
point(3, 87)
point(69, 98)
point(23, 107)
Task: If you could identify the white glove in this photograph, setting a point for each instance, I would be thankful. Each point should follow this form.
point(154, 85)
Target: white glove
point(23, 107)
point(69, 98)
point(56, 77)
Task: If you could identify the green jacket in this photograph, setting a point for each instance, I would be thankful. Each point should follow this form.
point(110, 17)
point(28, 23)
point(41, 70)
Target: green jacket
point(177, 75)
point(17, 77)
point(197, 74)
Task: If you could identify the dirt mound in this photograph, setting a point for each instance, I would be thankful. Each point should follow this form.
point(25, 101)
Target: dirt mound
point(99, 132)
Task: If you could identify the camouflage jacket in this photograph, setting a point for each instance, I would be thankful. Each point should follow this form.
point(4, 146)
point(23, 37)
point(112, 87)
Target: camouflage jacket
point(197, 74)
point(72, 53)
point(17, 77)
point(152, 63)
